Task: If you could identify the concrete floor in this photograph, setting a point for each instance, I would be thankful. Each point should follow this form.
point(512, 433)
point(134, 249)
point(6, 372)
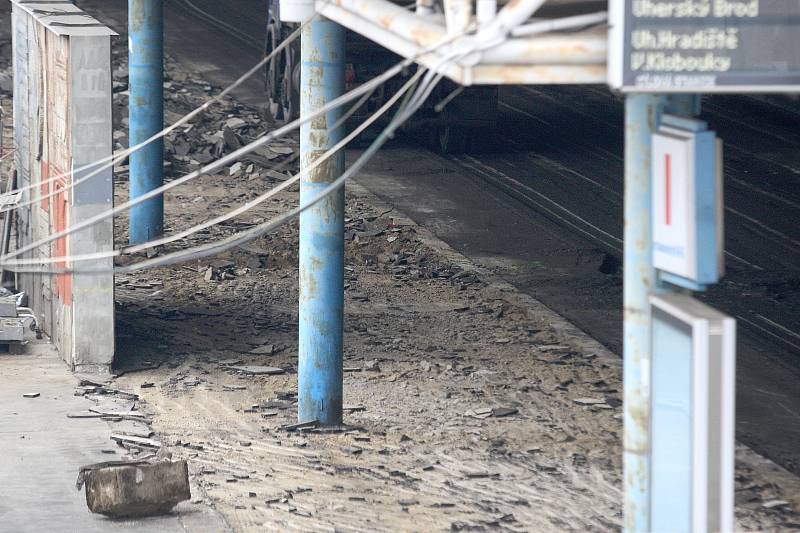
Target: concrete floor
point(42, 450)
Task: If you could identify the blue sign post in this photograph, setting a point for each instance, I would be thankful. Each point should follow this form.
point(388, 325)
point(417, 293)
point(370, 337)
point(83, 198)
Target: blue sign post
point(679, 353)
point(642, 118)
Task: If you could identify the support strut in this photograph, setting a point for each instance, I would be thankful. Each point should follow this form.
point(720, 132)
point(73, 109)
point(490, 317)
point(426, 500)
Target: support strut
point(146, 115)
point(321, 306)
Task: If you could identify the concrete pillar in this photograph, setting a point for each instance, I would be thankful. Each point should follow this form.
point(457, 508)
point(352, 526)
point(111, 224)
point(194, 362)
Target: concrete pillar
point(146, 114)
point(71, 132)
point(321, 306)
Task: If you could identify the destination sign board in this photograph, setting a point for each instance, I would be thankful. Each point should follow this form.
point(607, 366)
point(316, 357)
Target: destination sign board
point(704, 45)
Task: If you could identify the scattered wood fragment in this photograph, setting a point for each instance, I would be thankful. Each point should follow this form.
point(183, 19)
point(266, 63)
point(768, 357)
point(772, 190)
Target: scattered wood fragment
point(486, 412)
point(130, 415)
point(85, 414)
point(300, 425)
point(480, 412)
point(267, 349)
point(135, 441)
point(255, 370)
point(774, 503)
point(589, 401)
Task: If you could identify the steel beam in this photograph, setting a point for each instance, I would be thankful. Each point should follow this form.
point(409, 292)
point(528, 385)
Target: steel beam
point(642, 115)
point(321, 307)
point(577, 57)
point(146, 114)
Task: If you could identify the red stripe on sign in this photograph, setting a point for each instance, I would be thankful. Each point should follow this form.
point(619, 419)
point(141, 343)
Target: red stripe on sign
point(668, 187)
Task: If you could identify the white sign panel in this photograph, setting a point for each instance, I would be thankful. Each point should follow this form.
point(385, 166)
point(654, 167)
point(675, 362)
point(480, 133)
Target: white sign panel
point(686, 212)
point(673, 205)
point(692, 417)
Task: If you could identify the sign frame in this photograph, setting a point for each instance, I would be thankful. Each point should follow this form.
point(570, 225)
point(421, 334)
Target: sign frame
point(687, 203)
point(618, 38)
point(700, 383)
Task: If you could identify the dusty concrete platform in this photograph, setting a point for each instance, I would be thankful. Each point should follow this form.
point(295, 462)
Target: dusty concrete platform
point(42, 450)
point(471, 407)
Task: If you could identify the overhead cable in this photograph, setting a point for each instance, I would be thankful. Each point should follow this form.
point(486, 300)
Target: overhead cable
point(214, 165)
point(246, 236)
point(109, 161)
point(560, 24)
point(243, 237)
point(410, 105)
point(362, 89)
point(235, 212)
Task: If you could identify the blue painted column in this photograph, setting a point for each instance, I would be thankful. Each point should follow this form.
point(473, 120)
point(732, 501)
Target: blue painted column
point(321, 309)
point(642, 115)
point(146, 114)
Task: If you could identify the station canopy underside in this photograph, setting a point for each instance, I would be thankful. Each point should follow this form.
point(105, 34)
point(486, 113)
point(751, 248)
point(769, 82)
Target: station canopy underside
point(521, 42)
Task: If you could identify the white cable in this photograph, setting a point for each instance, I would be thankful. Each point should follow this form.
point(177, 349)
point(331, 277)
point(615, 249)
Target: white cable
point(238, 238)
point(109, 161)
point(566, 23)
point(425, 90)
point(330, 152)
point(235, 240)
point(370, 85)
point(244, 150)
point(343, 119)
point(447, 99)
point(235, 212)
point(243, 237)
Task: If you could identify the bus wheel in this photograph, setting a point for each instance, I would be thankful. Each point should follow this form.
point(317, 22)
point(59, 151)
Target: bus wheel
point(274, 72)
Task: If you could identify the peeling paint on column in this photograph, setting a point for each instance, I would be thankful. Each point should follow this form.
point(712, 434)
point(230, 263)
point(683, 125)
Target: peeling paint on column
point(321, 307)
point(146, 116)
point(642, 115)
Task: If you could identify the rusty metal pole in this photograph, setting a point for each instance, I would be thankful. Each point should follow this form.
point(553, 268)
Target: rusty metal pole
point(642, 116)
point(146, 115)
point(321, 308)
